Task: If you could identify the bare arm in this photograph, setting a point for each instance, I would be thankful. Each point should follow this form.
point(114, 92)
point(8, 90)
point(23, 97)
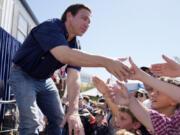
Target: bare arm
point(76, 57)
point(113, 107)
point(73, 89)
point(103, 88)
point(170, 90)
point(141, 113)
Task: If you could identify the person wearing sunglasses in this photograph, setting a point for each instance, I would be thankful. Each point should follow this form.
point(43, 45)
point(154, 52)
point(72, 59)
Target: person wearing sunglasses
point(141, 95)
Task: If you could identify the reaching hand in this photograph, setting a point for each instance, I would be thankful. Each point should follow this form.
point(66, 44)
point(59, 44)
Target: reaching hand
point(136, 73)
point(74, 123)
point(170, 68)
point(118, 69)
point(100, 85)
point(120, 95)
point(104, 88)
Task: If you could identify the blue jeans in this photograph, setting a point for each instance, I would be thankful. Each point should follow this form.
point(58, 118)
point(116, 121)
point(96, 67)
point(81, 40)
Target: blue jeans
point(32, 94)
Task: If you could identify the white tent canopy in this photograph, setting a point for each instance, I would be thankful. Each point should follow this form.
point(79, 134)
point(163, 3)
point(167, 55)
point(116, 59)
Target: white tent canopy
point(92, 92)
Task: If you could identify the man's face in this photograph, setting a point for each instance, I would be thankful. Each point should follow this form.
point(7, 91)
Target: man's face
point(80, 22)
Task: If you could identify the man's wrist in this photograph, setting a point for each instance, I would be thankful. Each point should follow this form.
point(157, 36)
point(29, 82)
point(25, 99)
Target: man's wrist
point(71, 111)
point(107, 62)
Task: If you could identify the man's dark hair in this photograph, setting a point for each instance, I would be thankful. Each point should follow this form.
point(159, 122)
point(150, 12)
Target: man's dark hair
point(74, 10)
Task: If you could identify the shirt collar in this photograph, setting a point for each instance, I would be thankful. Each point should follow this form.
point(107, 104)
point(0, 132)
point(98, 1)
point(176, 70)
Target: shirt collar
point(66, 32)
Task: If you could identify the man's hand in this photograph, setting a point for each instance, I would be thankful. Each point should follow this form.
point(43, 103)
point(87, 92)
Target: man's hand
point(170, 68)
point(74, 123)
point(118, 69)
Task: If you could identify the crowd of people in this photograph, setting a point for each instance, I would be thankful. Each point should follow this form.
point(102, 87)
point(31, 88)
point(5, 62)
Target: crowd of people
point(52, 45)
point(163, 115)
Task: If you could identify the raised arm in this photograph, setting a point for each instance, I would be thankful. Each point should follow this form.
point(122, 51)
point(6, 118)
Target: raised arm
point(170, 90)
point(103, 88)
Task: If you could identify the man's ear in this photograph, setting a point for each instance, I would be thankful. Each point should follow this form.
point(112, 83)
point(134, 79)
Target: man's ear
point(68, 15)
point(136, 125)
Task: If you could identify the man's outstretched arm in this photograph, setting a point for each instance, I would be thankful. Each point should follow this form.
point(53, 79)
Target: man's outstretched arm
point(79, 58)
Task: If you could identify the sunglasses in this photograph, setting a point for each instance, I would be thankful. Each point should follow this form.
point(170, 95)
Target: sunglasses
point(138, 94)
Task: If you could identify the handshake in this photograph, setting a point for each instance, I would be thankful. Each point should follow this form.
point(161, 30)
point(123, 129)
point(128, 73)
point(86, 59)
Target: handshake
point(123, 72)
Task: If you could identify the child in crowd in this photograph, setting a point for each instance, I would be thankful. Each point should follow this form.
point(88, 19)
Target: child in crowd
point(126, 120)
point(163, 103)
point(99, 126)
point(83, 106)
point(141, 95)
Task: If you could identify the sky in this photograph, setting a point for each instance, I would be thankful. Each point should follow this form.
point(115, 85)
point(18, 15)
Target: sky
point(142, 29)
